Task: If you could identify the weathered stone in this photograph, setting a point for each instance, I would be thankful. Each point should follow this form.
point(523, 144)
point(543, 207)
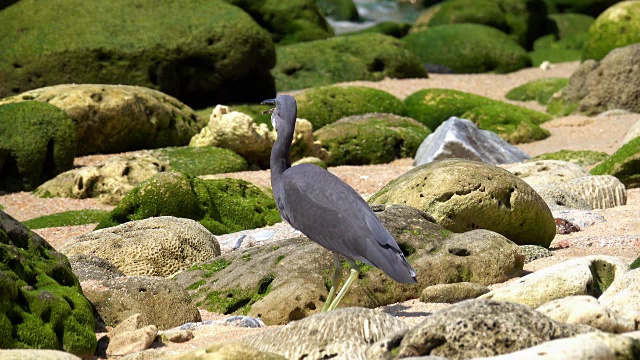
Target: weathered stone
point(228, 351)
point(590, 275)
point(597, 191)
point(461, 138)
point(581, 218)
point(89, 267)
point(159, 246)
point(560, 198)
point(153, 119)
point(41, 302)
point(452, 293)
point(161, 302)
point(462, 195)
point(476, 328)
point(340, 334)
point(547, 171)
point(564, 227)
point(585, 309)
point(534, 252)
point(109, 182)
point(178, 336)
point(127, 342)
point(623, 296)
point(238, 132)
point(632, 133)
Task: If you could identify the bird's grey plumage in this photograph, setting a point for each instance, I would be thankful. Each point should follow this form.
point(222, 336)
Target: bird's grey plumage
point(327, 210)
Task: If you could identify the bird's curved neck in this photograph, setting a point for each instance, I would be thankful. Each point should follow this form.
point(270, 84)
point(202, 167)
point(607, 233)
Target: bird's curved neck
point(280, 158)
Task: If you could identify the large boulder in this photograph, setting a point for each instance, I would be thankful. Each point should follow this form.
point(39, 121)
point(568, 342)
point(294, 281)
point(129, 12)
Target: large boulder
point(108, 182)
point(371, 139)
point(461, 138)
point(41, 302)
point(513, 123)
point(344, 10)
point(468, 48)
point(479, 328)
point(589, 7)
point(325, 105)
point(565, 37)
point(623, 164)
point(618, 26)
point(37, 142)
point(345, 58)
point(159, 246)
point(288, 21)
point(462, 195)
point(289, 279)
point(201, 52)
point(220, 205)
point(599, 192)
point(598, 86)
point(118, 118)
point(520, 19)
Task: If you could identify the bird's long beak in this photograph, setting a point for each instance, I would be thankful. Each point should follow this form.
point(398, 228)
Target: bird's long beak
point(269, 102)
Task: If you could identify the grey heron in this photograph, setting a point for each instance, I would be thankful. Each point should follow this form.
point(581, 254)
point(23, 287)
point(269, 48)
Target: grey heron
point(328, 211)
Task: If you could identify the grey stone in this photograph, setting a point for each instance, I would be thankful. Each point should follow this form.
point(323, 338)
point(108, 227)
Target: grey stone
point(340, 334)
point(585, 309)
point(129, 337)
point(560, 197)
point(463, 195)
point(461, 138)
point(534, 252)
point(452, 293)
point(160, 301)
point(547, 171)
point(590, 275)
point(476, 328)
point(581, 218)
point(599, 191)
point(89, 267)
point(157, 246)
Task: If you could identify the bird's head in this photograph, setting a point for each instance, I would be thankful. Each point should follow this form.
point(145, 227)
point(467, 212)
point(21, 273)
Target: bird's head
point(285, 112)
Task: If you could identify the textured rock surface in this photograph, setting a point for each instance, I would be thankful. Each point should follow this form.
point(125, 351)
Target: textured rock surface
point(618, 26)
point(228, 351)
point(161, 302)
point(632, 133)
point(461, 138)
point(33, 354)
point(547, 171)
point(623, 296)
point(598, 192)
point(343, 333)
point(534, 252)
point(462, 195)
point(238, 132)
point(109, 182)
point(129, 337)
point(476, 328)
point(41, 302)
point(452, 293)
point(158, 246)
point(624, 164)
point(153, 119)
point(89, 267)
point(585, 309)
point(590, 275)
point(580, 218)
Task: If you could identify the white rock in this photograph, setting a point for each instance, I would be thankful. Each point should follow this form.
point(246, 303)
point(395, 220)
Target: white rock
point(585, 309)
point(623, 296)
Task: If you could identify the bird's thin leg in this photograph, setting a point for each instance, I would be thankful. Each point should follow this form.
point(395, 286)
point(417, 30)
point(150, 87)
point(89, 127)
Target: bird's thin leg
point(337, 277)
point(352, 277)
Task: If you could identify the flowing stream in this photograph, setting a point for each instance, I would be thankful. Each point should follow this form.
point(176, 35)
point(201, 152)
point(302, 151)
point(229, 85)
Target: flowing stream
point(376, 11)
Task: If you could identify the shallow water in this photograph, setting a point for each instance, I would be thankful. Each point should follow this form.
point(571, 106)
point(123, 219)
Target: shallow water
point(376, 11)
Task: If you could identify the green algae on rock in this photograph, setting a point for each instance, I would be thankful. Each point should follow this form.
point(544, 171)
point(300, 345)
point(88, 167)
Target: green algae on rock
point(539, 90)
point(623, 164)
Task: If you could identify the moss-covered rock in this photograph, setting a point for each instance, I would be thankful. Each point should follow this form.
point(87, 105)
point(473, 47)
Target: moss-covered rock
point(221, 205)
point(288, 21)
point(468, 48)
point(635, 264)
point(41, 302)
point(520, 19)
point(344, 10)
point(391, 28)
point(513, 123)
point(371, 139)
point(66, 218)
point(325, 105)
point(194, 50)
point(589, 7)
point(37, 142)
point(580, 157)
point(623, 164)
point(462, 195)
point(539, 90)
point(196, 161)
point(618, 26)
point(344, 58)
point(565, 37)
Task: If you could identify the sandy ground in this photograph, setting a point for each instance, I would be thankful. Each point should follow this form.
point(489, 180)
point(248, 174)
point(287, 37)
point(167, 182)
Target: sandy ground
point(619, 236)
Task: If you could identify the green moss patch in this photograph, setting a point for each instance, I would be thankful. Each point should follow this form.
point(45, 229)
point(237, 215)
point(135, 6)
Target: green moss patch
point(635, 264)
point(66, 218)
point(37, 142)
point(623, 164)
point(390, 28)
point(344, 10)
point(580, 157)
point(540, 90)
point(618, 26)
point(513, 123)
point(371, 139)
point(221, 205)
point(238, 301)
point(468, 48)
point(212, 267)
point(196, 161)
point(326, 105)
point(344, 58)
